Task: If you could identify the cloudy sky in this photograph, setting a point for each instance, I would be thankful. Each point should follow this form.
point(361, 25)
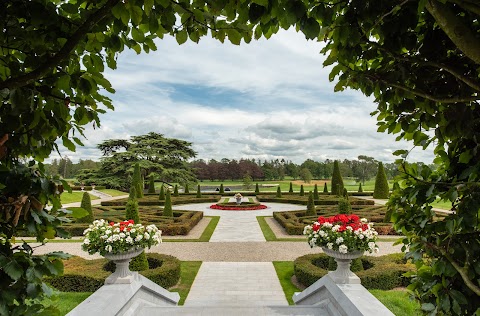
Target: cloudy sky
point(268, 99)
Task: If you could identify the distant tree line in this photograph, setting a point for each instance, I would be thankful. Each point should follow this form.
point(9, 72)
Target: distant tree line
point(362, 169)
point(67, 169)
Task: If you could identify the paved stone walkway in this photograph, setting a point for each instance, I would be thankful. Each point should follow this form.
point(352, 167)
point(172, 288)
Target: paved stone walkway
point(238, 226)
point(236, 284)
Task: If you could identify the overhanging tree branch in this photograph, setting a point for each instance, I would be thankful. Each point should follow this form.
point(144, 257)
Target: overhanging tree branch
point(64, 52)
point(460, 34)
point(425, 95)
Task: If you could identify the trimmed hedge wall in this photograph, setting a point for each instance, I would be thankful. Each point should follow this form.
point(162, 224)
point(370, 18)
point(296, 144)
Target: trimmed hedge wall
point(295, 221)
point(384, 272)
point(152, 200)
point(81, 275)
point(180, 224)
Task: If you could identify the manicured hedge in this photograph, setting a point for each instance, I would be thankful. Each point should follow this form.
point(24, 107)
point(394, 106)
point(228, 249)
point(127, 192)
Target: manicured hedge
point(152, 200)
point(180, 224)
point(295, 221)
point(83, 275)
point(384, 272)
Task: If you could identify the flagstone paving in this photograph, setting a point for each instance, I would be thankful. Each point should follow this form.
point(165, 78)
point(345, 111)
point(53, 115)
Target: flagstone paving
point(236, 284)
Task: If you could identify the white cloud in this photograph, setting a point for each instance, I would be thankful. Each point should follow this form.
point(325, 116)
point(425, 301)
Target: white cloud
point(268, 99)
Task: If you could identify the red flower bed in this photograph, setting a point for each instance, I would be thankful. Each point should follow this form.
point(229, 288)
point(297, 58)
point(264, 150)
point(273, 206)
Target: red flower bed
point(238, 208)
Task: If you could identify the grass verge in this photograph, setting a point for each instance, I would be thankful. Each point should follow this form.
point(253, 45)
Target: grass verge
point(284, 271)
point(73, 197)
point(113, 192)
point(188, 272)
point(397, 301)
point(268, 232)
point(66, 301)
point(206, 235)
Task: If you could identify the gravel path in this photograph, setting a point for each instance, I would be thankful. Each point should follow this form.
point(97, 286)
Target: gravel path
point(220, 251)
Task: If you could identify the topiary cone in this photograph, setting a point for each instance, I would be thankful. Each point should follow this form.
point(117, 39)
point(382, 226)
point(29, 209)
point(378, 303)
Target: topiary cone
point(167, 207)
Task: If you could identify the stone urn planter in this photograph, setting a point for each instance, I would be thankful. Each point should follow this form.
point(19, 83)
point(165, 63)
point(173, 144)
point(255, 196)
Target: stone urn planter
point(343, 274)
point(122, 272)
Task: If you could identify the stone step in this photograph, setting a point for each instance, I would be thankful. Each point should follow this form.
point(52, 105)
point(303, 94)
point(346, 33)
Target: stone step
point(234, 311)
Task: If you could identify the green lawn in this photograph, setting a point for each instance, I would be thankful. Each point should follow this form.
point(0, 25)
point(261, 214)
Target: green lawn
point(189, 270)
point(268, 233)
point(113, 192)
point(350, 185)
point(206, 235)
point(74, 197)
point(66, 301)
point(396, 301)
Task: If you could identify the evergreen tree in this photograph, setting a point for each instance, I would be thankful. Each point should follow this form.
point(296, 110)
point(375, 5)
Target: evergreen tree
point(344, 206)
point(133, 192)
point(311, 205)
point(199, 192)
point(137, 180)
point(316, 196)
point(257, 189)
point(140, 262)
point(279, 192)
point(175, 190)
point(167, 207)
point(222, 190)
point(360, 190)
point(186, 188)
point(151, 185)
point(161, 196)
point(131, 210)
point(381, 190)
point(337, 181)
point(325, 188)
point(291, 188)
point(86, 204)
point(302, 192)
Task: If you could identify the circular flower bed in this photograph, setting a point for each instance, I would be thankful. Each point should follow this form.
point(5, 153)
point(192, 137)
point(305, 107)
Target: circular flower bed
point(232, 206)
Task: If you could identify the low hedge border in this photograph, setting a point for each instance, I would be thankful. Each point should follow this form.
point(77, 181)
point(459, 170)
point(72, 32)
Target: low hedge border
point(295, 221)
point(81, 275)
point(383, 273)
point(181, 224)
point(154, 201)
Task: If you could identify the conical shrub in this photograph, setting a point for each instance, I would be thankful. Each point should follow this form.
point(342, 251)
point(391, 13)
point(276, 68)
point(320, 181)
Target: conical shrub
point(316, 196)
point(133, 192)
point(257, 189)
point(381, 190)
point(302, 191)
point(151, 185)
point(186, 188)
point(337, 181)
point(161, 196)
point(140, 262)
point(222, 190)
point(311, 205)
point(175, 190)
point(86, 204)
point(291, 188)
point(199, 192)
point(279, 192)
point(325, 188)
point(344, 206)
point(137, 180)
point(131, 210)
point(167, 207)
point(360, 189)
